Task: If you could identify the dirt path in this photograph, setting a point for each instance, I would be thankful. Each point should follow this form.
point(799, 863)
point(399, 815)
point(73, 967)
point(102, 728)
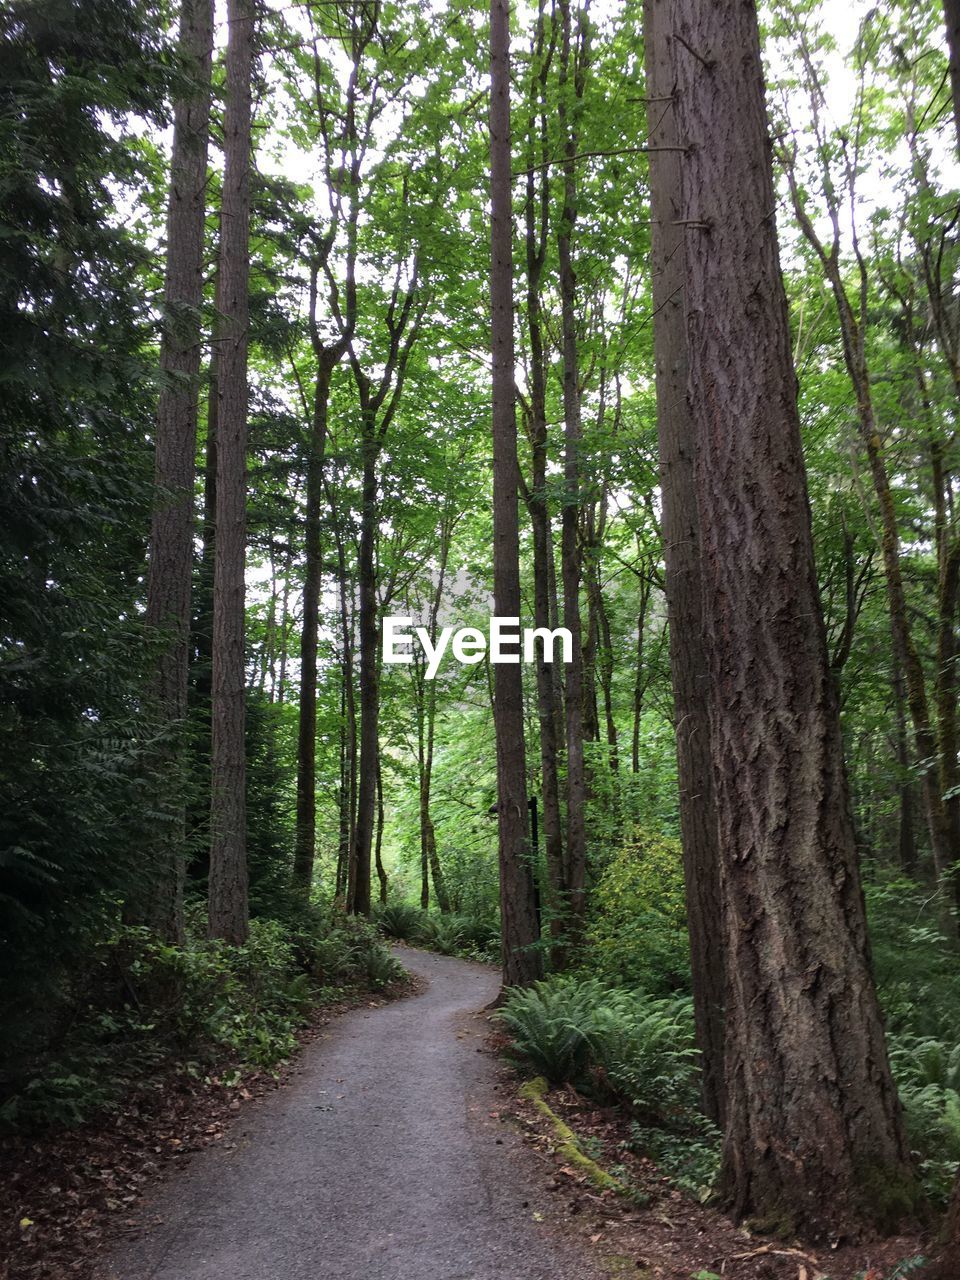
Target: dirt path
point(381, 1161)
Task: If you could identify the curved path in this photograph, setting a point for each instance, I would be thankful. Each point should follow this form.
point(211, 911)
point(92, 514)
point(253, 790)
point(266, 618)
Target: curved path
point(380, 1161)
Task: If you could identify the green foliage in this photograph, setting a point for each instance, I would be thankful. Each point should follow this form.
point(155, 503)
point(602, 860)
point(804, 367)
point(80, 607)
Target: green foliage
point(149, 1004)
point(646, 1051)
point(628, 1046)
point(552, 1023)
point(399, 920)
point(927, 1073)
point(451, 935)
point(690, 1159)
point(75, 484)
point(637, 933)
point(917, 969)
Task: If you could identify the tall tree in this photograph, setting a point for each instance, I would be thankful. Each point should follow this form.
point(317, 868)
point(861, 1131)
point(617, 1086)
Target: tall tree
point(935, 736)
point(228, 909)
point(948, 1264)
point(521, 962)
point(814, 1134)
point(574, 45)
point(681, 549)
point(951, 13)
point(536, 238)
point(171, 538)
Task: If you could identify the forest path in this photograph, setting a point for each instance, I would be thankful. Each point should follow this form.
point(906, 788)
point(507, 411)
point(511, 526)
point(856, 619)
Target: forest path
point(380, 1161)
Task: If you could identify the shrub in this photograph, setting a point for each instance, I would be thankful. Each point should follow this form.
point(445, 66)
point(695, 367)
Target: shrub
point(450, 935)
point(552, 1023)
point(151, 1004)
point(633, 1047)
point(479, 939)
point(637, 934)
point(916, 968)
point(400, 920)
point(645, 1049)
point(927, 1073)
point(439, 933)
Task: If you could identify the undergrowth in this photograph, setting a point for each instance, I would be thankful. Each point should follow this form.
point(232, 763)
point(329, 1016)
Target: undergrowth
point(450, 935)
point(145, 1005)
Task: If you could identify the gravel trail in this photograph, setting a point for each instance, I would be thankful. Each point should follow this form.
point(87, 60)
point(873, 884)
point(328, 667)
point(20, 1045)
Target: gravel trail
point(379, 1161)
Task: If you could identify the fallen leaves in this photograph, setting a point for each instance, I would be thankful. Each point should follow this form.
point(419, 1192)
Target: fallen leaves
point(64, 1195)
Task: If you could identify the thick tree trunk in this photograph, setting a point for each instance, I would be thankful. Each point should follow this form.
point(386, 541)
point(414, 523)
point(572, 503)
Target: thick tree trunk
point(171, 537)
point(521, 962)
point(681, 541)
point(814, 1138)
point(228, 911)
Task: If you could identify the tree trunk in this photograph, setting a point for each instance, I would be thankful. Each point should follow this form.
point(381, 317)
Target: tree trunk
point(537, 224)
point(306, 828)
point(427, 710)
point(681, 543)
point(951, 13)
point(605, 667)
point(947, 1265)
point(228, 911)
point(639, 679)
point(171, 537)
point(814, 1140)
point(571, 551)
point(359, 900)
point(906, 841)
point(521, 961)
point(348, 712)
point(378, 839)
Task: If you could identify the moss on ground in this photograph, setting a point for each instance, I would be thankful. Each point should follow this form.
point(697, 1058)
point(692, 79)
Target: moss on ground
point(568, 1145)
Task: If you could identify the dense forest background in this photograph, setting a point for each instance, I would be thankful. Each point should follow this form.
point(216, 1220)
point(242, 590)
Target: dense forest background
point(245, 415)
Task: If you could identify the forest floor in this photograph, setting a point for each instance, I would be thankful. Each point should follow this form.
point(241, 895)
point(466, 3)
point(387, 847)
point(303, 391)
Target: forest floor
point(663, 1233)
point(397, 1149)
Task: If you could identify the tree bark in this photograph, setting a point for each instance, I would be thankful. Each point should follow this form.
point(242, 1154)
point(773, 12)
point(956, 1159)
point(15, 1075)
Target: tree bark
point(427, 710)
point(306, 824)
point(951, 14)
point(171, 537)
point(639, 679)
point(378, 839)
point(681, 545)
point(571, 86)
point(359, 901)
point(228, 908)
point(814, 1138)
point(537, 224)
point(521, 961)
